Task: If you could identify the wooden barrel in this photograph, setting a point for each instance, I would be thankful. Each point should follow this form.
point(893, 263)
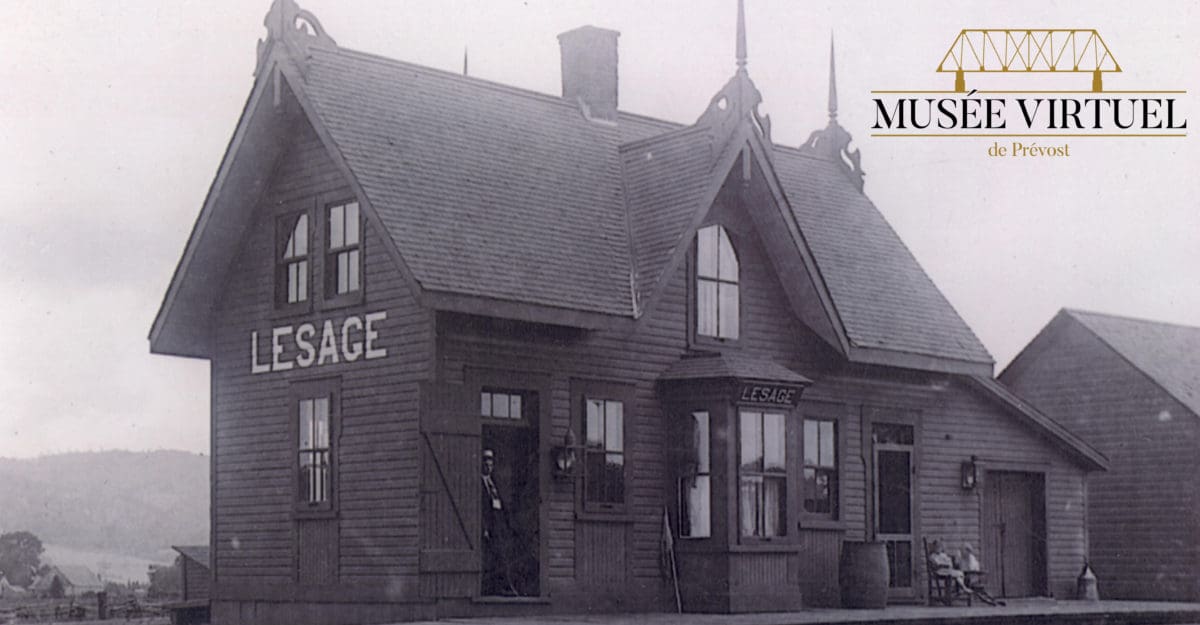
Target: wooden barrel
point(863, 575)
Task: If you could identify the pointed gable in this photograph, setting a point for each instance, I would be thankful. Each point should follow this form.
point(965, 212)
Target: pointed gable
point(884, 299)
point(666, 179)
point(519, 199)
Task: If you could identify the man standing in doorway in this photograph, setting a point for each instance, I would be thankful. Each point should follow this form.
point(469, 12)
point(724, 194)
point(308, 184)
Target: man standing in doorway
point(497, 534)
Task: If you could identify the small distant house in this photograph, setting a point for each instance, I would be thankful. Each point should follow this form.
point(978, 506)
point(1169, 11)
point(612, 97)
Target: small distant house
point(1131, 388)
point(8, 591)
point(67, 581)
point(194, 573)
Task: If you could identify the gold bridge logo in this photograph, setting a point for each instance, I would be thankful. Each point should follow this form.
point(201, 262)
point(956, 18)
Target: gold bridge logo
point(1068, 110)
point(1011, 51)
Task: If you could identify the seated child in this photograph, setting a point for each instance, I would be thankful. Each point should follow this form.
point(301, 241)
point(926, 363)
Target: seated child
point(943, 565)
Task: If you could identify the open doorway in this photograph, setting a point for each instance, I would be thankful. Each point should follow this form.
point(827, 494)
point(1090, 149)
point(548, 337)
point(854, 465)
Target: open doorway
point(510, 494)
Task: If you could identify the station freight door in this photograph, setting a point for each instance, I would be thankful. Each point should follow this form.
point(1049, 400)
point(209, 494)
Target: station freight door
point(1014, 533)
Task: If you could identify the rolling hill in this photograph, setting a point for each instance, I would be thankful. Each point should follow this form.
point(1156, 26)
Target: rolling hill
point(118, 505)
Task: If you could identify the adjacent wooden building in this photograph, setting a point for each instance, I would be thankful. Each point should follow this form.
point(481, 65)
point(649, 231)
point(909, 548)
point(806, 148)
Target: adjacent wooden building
point(664, 333)
point(1131, 388)
point(195, 575)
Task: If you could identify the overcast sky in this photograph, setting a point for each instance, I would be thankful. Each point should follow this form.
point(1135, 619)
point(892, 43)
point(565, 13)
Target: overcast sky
point(114, 117)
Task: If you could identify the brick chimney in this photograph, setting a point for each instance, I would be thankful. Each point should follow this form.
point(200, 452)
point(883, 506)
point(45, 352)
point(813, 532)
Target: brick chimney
point(589, 70)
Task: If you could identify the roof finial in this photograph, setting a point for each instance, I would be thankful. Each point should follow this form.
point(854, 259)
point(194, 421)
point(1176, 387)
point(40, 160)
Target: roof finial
point(464, 60)
point(832, 81)
point(741, 35)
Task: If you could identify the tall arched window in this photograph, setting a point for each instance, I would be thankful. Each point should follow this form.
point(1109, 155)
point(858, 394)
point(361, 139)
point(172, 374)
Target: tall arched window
point(716, 284)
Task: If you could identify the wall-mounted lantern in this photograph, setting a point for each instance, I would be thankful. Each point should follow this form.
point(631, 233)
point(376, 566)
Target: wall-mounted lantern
point(565, 456)
point(969, 475)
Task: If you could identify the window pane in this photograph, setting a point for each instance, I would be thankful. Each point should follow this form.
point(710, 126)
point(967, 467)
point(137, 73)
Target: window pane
point(895, 493)
point(353, 271)
point(500, 405)
point(297, 243)
point(696, 512)
point(293, 282)
point(700, 441)
point(706, 308)
point(727, 260)
point(818, 493)
point(811, 454)
point(774, 442)
point(614, 477)
point(289, 251)
point(749, 497)
point(751, 441)
point(774, 507)
point(337, 221)
point(302, 281)
point(352, 223)
point(614, 436)
point(728, 313)
point(306, 424)
point(827, 439)
point(343, 272)
point(706, 252)
point(595, 423)
point(321, 421)
point(485, 404)
point(514, 406)
point(301, 235)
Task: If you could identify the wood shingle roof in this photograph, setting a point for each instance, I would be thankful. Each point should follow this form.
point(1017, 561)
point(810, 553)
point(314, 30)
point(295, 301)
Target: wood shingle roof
point(516, 197)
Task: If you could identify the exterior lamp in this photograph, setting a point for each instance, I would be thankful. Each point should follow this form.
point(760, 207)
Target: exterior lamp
point(564, 456)
point(969, 474)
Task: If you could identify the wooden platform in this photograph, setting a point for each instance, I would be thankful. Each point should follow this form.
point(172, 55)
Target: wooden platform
point(1017, 612)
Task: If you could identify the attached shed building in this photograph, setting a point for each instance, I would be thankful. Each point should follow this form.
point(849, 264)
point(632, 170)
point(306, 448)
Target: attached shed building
point(661, 333)
point(1131, 388)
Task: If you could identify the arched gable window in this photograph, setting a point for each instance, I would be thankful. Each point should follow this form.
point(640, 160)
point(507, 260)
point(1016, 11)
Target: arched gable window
point(716, 284)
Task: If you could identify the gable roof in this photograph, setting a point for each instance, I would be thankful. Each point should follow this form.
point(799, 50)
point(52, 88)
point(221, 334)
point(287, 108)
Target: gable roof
point(1047, 427)
point(196, 553)
point(1169, 354)
point(884, 299)
point(518, 200)
point(81, 578)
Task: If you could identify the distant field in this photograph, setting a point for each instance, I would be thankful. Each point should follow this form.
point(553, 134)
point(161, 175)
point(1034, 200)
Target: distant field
point(111, 567)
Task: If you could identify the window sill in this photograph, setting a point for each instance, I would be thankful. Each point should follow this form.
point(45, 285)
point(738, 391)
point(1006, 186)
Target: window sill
point(603, 516)
point(501, 600)
point(298, 309)
point(345, 300)
point(782, 545)
point(823, 524)
point(308, 514)
point(711, 343)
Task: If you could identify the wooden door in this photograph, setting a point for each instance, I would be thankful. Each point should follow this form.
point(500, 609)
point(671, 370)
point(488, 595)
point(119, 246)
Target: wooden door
point(450, 433)
point(1014, 549)
point(893, 478)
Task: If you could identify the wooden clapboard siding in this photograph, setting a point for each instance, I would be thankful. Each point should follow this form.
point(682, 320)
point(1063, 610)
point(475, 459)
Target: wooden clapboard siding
point(769, 329)
point(1142, 512)
point(818, 567)
point(975, 426)
point(372, 541)
point(966, 424)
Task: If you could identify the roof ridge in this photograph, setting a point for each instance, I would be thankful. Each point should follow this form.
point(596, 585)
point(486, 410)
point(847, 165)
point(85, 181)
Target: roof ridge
point(1077, 312)
point(493, 84)
point(663, 136)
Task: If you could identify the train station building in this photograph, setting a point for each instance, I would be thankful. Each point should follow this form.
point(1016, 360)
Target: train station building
point(479, 350)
